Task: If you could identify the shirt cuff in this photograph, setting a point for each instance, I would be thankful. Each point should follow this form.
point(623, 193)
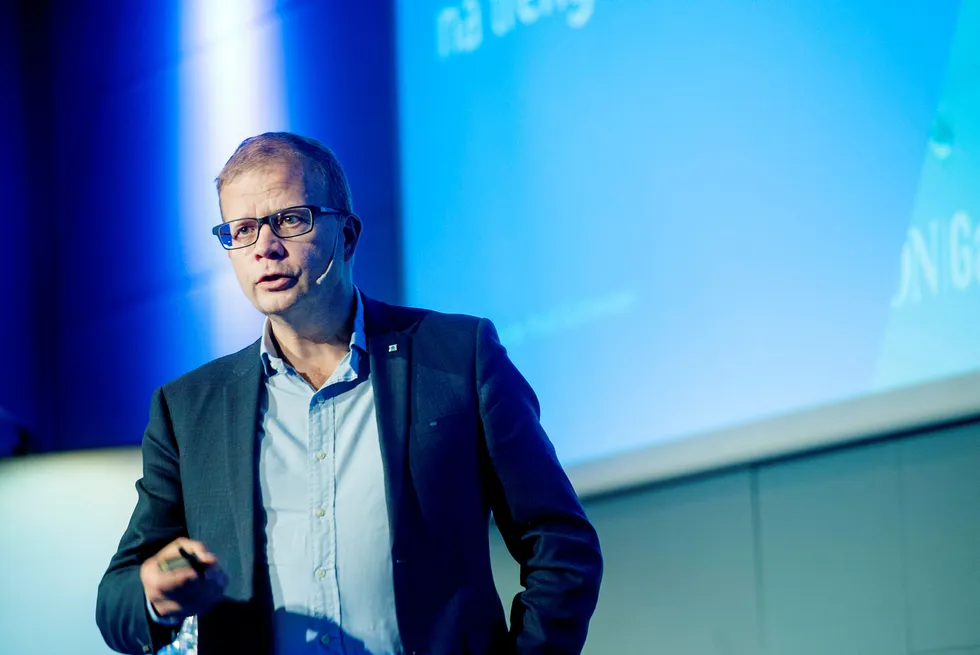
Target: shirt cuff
point(162, 620)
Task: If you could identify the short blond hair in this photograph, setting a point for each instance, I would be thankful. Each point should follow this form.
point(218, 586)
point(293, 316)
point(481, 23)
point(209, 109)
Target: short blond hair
point(316, 161)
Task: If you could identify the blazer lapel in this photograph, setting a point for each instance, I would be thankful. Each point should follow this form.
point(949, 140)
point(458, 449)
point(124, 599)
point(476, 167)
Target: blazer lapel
point(389, 349)
point(242, 409)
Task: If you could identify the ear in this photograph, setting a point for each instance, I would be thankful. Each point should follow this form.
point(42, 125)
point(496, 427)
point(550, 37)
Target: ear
point(352, 235)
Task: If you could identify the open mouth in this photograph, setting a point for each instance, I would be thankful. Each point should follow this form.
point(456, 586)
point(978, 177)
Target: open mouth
point(275, 281)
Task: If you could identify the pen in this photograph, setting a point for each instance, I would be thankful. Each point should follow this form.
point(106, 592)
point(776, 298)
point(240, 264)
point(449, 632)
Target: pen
point(199, 567)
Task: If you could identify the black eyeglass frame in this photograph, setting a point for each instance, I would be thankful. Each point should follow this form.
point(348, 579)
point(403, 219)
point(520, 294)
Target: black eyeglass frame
point(315, 210)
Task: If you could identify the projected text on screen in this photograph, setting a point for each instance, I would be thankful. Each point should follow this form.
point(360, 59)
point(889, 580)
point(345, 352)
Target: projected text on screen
point(460, 28)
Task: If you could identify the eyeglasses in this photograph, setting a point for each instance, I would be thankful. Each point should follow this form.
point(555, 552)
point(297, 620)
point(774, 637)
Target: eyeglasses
point(285, 224)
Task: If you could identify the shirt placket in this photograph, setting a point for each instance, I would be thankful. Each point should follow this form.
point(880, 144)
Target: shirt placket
point(324, 600)
point(323, 509)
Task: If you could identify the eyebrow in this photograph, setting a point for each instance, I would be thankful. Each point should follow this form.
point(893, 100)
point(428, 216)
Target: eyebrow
point(240, 218)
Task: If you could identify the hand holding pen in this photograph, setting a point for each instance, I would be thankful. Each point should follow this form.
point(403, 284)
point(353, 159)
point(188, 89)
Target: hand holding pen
point(184, 578)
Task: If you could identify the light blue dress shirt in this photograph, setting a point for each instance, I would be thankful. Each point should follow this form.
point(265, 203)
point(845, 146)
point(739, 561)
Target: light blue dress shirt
point(323, 493)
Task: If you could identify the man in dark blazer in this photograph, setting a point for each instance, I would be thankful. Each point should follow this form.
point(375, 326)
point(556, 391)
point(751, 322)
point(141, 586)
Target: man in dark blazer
point(328, 489)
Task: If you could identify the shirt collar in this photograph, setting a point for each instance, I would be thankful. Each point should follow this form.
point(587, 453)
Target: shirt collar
point(272, 362)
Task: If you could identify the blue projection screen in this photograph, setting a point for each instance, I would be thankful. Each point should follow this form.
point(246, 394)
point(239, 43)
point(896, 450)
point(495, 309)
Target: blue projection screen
point(707, 230)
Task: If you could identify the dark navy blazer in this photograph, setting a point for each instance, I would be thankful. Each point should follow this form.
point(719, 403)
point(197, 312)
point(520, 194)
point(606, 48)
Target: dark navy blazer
point(460, 437)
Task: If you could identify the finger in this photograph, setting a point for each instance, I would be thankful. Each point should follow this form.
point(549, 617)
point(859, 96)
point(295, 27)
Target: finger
point(172, 550)
point(166, 584)
point(207, 558)
point(168, 608)
point(182, 553)
point(155, 575)
point(190, 545)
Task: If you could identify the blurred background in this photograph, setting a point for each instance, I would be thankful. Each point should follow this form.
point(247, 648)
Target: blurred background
point(733, 244)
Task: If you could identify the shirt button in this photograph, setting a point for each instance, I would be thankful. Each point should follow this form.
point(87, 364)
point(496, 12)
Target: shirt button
point(325, 639)
point(321, 513)
point(321, 573)
point(320, 455)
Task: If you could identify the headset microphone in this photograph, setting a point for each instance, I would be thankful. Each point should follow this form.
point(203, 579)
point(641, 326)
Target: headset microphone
point(333, 253)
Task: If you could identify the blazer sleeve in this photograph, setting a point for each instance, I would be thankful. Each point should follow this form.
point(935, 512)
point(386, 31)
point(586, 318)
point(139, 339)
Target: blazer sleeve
point(158, 519)
point(536, 509)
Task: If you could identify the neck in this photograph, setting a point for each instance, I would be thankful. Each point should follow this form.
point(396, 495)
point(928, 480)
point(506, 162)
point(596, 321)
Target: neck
point(316, 342)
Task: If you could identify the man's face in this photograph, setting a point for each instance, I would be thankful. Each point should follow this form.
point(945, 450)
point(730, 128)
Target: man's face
point(279, 275)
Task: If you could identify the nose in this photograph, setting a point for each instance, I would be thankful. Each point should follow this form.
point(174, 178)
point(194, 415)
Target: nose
point(268, 245)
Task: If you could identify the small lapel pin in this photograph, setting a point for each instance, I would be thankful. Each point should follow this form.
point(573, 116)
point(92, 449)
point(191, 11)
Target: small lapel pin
point(433, 424)
point(393, 347)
